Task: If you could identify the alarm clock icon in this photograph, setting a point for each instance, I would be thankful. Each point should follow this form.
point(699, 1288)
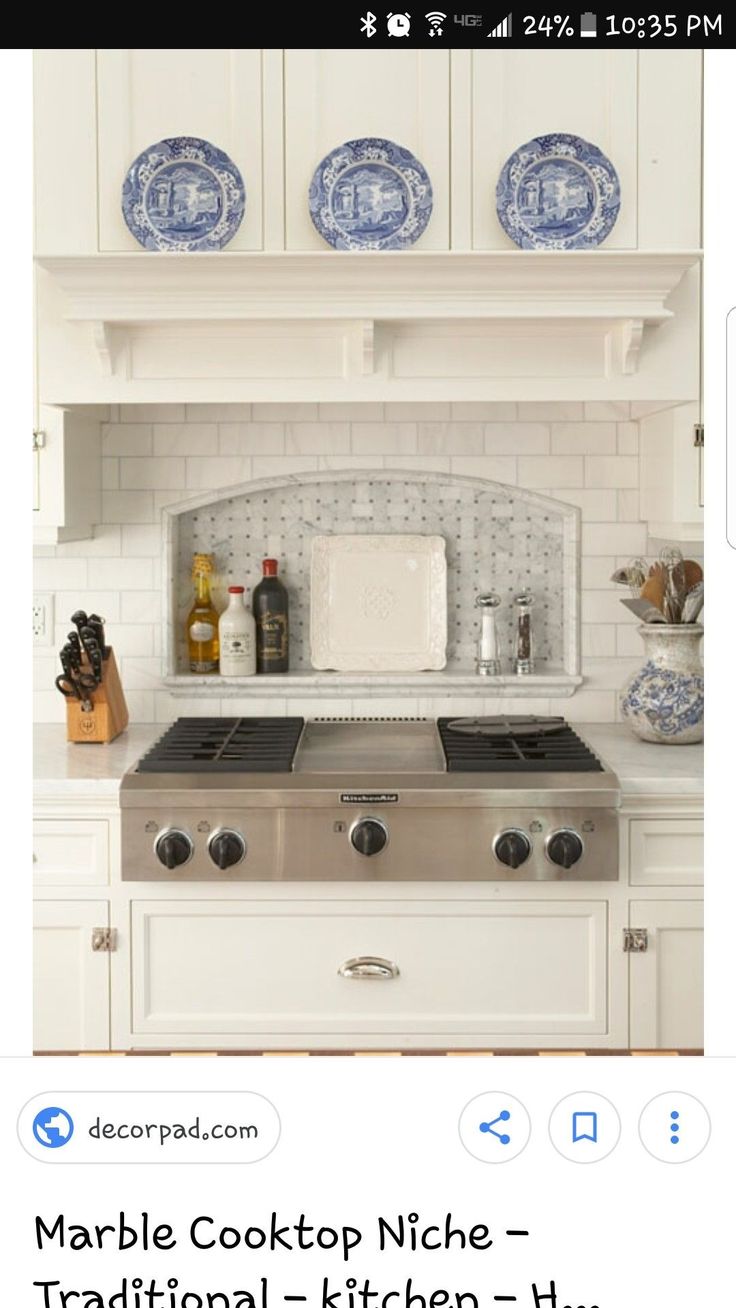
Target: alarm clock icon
point(398, 24)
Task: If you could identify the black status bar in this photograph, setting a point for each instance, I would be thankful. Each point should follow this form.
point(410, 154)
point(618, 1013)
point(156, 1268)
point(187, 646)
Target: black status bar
point(422, 26)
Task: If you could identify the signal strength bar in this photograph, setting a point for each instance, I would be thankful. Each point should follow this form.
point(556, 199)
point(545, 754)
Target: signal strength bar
point(503, 29)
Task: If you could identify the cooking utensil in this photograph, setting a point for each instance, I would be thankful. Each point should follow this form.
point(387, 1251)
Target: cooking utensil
point(80, 620)
point(671, 560)
point(93, 652)
point(71, 689)
point(693, 604)
point(72, 683)
point(693, 573)
point(644, 609)
point(653, 590)
point(75, 643)
point(633, 575)
point(96, 624)
point(636, 571)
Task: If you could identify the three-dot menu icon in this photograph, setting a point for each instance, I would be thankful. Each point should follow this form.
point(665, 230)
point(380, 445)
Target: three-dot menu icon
point(674, 1127)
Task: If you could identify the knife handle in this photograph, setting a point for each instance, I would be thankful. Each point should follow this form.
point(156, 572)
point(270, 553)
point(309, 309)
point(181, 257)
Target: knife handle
point(97, 627)
point(93, 652)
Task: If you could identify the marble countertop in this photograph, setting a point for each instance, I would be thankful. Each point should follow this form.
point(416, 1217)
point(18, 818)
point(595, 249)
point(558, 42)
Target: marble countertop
point(69, 771)
point(643, 769)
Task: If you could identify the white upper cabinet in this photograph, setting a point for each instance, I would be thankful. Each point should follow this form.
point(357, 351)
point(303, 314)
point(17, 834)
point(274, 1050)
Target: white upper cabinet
point(146, 95)
point(331, 96)
point(641, 108)
point(96, 110)
point(518, 94)
point(277, 113)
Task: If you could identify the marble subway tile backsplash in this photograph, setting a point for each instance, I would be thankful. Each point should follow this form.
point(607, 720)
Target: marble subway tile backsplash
point(155, 455)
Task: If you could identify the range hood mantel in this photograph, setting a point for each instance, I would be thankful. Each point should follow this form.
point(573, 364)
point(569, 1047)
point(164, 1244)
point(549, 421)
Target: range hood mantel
point(329, 325)
point(149, 287)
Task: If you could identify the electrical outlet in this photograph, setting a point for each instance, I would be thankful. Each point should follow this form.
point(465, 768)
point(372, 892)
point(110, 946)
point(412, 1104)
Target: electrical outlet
point(43, 619)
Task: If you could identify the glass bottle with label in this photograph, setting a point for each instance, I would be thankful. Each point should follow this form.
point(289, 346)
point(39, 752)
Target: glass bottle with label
point(271, 612)
point(237, 631)
point(203, 618)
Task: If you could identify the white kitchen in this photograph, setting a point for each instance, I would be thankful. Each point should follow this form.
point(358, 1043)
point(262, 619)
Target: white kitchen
point(460, 807)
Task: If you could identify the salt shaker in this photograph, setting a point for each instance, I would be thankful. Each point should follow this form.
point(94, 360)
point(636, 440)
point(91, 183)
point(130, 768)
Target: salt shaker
point(488, 663)
point(524, 659)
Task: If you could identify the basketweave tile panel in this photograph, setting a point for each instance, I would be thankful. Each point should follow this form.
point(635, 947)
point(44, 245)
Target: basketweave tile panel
point(497, 537)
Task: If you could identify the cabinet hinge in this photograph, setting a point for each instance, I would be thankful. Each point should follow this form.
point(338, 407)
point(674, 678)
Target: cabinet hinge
point(39, 440)
point(104, 940)
point(636, 940)
point(698, 435)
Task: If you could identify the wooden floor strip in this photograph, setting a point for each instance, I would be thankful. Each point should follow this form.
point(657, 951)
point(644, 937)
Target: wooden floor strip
point(370, 1053)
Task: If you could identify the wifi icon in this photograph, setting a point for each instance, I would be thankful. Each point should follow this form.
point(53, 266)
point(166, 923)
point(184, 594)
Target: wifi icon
point(435, 20)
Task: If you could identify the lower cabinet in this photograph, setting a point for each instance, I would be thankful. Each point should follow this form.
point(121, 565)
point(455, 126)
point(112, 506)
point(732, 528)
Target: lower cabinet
point(340, 972)
point(71, 979)
point(531, 970)
point(666, 979)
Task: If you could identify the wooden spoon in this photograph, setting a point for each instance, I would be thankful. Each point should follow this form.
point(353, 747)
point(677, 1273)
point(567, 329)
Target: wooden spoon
point(693, 573)
point(653, 589)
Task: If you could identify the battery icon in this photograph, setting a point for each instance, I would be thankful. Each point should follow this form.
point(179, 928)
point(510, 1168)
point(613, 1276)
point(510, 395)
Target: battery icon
point(588, 25)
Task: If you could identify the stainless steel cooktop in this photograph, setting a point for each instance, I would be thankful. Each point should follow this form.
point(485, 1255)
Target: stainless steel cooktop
point(476, 799)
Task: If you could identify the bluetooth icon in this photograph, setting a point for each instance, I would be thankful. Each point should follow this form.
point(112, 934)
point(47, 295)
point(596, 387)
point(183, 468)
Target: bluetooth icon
point(368, 24)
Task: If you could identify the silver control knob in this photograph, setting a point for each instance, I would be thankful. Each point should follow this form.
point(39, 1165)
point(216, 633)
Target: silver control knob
point(174, 848)
point(226, 848)
point(369, 836)
point(565, 848)
point(512, 848)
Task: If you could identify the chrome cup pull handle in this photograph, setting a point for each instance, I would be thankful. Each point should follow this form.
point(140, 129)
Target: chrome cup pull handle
point(368, 968)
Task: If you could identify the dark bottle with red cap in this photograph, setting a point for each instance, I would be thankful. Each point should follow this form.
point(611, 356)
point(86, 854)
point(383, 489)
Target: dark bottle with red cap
point(271, 612)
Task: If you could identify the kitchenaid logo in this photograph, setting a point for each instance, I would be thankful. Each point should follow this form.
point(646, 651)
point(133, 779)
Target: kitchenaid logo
point(369, 797)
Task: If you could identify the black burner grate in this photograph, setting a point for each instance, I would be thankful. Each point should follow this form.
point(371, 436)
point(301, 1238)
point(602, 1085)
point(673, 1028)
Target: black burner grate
point(514, 745)
point(225, 745)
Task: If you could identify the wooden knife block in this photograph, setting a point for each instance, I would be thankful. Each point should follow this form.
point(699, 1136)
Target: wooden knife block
point(109, 715)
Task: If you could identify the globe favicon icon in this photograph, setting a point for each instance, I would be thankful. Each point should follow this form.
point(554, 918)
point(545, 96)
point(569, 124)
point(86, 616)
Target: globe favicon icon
point(53, 1127)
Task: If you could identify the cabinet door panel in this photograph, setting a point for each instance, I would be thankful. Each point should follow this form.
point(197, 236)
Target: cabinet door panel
point(502, 969)
point(518, 94)
point(333, 96)
point(71, 983)
point(670, 133)
point(666, 982)
point(146, 95)
point(64, 154)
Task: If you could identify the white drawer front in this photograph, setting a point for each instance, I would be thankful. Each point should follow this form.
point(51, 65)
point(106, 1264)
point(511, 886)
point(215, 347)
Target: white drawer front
point(69, 853)
point(665, 852)
point(471, 968)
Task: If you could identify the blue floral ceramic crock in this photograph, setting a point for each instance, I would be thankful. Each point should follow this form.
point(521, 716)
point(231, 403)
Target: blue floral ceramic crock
point(663, 701)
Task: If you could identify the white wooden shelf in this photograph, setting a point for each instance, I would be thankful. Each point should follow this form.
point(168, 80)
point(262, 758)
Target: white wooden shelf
point(368, 685)
point(157, 287)
point(386, 320)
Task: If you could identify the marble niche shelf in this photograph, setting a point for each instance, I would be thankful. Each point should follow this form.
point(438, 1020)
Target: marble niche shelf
point(497, 536)
point(370, 684)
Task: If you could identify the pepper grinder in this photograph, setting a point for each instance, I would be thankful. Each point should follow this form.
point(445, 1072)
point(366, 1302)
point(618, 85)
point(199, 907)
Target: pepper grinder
point(488, 662)
point(524, 660)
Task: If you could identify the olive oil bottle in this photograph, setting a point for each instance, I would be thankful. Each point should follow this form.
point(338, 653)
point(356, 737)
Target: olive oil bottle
point(202, 640)
point(271, 612)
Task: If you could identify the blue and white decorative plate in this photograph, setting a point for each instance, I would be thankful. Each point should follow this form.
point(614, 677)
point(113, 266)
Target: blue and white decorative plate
point(183, 194)
point(370, 194)
point(558, 192)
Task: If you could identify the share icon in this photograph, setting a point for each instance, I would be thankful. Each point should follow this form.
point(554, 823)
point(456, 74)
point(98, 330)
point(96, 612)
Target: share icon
point(501, 1136)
